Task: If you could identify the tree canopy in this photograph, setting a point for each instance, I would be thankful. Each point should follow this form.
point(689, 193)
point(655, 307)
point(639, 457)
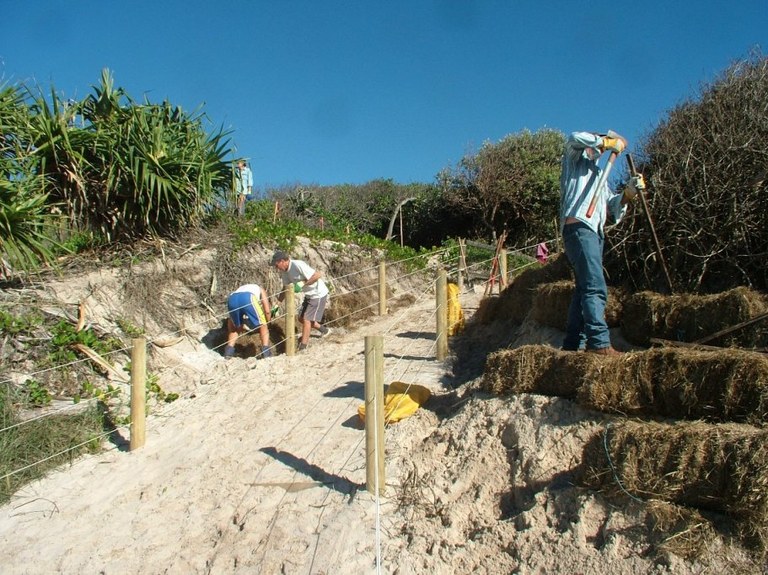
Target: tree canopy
point(512, 185)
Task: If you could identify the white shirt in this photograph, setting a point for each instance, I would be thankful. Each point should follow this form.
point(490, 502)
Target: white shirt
point(250, 288)
point(299, 271)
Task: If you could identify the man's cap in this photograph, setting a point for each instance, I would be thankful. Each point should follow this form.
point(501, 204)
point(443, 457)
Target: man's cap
point(279, 256)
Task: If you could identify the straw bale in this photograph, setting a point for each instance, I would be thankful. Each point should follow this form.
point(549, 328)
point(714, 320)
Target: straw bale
point(728, 385)
point(537, 369)
point(550, 305)
point(350, 308)
point(551, 302)
point(721, 467)
point(682, 530)
point(515, 302)
point(688, 317)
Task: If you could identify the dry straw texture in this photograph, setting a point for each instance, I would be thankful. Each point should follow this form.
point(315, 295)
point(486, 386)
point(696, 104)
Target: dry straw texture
point(721, 468)
point(516, 301)
point(550, 304)
point(731, 385)
point(537, 369)
point(689, 317)
point(728, 385)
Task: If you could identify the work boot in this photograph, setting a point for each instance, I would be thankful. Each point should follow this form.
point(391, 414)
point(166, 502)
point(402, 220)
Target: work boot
point(609, 351)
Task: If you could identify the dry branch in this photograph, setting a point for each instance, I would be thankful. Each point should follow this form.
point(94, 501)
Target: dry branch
point(100, 361)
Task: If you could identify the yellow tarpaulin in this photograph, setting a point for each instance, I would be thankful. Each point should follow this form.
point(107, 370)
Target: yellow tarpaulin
point(455, 313)
point(401, 400)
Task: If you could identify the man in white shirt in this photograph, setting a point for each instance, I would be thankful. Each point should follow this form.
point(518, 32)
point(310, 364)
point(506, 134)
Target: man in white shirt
point(307, 280)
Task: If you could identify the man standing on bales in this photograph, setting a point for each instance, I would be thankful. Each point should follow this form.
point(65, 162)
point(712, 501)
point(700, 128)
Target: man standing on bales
point(309, 281)
point(248, 303)
point(243, 185)
point(586, 202)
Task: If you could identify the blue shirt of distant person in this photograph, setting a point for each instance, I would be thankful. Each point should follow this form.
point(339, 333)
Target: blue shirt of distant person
point(243, 185)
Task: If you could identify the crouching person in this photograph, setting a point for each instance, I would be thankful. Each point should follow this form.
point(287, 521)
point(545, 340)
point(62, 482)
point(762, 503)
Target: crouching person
point(248, 303)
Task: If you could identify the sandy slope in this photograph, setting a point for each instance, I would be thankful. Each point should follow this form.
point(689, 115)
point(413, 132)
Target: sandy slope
point(260, 468)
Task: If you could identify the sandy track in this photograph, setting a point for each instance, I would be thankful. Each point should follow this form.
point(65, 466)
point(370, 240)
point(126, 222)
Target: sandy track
point(261, 471)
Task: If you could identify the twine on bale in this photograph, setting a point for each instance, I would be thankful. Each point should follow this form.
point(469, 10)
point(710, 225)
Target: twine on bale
point(711, 467)
point(613, 467)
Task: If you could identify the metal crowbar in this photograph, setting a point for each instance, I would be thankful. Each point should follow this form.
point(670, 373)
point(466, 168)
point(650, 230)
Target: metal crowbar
point(603, 177)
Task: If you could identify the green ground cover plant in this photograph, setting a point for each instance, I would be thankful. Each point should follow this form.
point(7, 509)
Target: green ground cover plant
point(29, 451)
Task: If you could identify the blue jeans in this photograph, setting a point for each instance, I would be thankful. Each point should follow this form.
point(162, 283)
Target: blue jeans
point(586, 314)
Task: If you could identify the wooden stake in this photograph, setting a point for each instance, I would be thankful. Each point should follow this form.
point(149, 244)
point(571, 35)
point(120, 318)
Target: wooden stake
point(138, 393)
point(290, 320)
point(382, 288)
point(462, 265)
point(502, 269)
point(442, 315)
point(375, 479)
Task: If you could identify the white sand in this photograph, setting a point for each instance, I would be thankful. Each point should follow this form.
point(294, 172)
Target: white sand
point(259, 467)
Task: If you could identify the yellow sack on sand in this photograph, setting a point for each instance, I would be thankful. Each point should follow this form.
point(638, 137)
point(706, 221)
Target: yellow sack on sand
point(401, 400)
point(455, 313)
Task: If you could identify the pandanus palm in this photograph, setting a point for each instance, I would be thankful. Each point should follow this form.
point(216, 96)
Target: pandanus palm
point(23, 213)
point(130, 170)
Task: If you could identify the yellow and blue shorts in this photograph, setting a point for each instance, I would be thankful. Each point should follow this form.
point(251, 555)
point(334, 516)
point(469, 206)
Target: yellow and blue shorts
point(244, 307)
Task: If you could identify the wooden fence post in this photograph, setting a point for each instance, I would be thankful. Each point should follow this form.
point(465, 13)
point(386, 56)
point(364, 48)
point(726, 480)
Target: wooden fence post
point(138, 393)
point(382, 288)
point(462, 265)
point(290, 320)
point(374, 414)
point(502, 269)
point(441, 293)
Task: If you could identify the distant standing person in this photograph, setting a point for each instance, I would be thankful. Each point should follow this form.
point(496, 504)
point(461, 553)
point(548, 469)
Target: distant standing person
point(309, 281)
point(248, 303)
point(243, 185)
point(583, 234)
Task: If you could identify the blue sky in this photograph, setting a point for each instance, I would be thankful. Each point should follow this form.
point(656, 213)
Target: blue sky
point(330, 92)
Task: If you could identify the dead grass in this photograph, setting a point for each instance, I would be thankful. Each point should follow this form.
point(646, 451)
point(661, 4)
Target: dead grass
point(688, 317)
point(516, 301)
point(731, 385)
point(722, 468)
point(536, 369)
point(551, 302)
point(728, 385)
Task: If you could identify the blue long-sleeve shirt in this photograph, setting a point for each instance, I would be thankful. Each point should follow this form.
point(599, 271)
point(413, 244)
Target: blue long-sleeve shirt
point(578, 182)
point(243, 180)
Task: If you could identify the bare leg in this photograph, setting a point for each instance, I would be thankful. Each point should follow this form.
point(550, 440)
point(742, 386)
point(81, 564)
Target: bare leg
point(264, 333)
point(231, 333)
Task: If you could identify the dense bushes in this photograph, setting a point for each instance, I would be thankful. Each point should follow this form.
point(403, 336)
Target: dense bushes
point(116, 169)
point(512, 185)
point(706, 165)
point(120, 170)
